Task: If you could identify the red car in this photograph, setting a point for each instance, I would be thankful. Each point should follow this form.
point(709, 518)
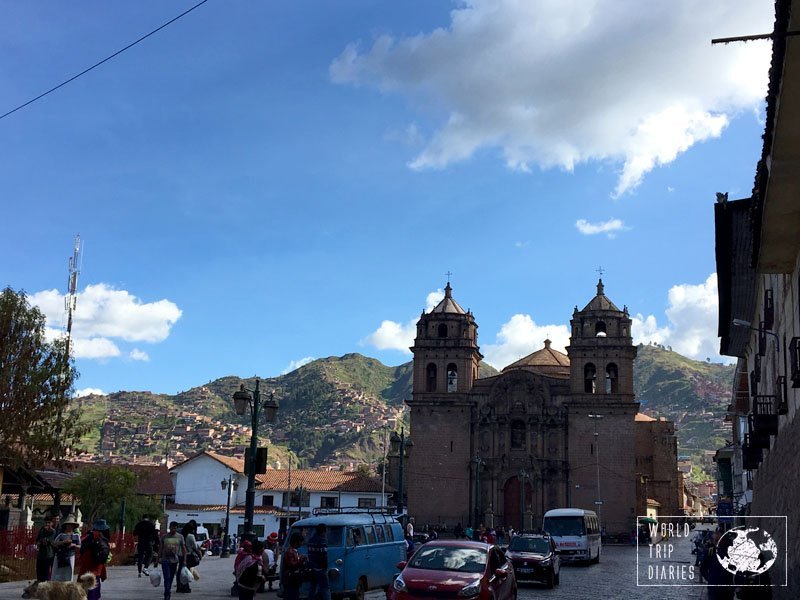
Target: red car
point(455, 569)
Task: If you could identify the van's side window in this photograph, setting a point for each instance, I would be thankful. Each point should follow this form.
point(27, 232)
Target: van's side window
point(354, 536)
point(380, 534)
point(370, 534)
point(389, 534)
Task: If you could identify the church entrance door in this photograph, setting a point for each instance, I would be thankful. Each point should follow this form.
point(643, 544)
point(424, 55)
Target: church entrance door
point(513, 512)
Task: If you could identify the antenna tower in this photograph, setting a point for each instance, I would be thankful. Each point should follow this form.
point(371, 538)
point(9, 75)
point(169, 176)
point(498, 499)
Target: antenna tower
point(70, 300)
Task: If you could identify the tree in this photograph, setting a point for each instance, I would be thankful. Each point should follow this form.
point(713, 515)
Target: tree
point(103, 490)
point(39, 423)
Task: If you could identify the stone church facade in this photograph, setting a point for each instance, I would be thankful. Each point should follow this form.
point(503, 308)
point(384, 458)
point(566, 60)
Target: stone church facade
point(550, 431)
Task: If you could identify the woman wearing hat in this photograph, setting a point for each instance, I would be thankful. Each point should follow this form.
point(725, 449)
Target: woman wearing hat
point(94, 554)
point(65, 544)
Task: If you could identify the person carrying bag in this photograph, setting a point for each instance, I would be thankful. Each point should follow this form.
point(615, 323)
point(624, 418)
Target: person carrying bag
point(250, 571)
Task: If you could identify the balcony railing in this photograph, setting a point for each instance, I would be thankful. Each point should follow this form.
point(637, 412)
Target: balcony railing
point(765, 417)
point(757, 438)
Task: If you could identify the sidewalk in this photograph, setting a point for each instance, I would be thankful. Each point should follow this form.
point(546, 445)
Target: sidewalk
point(216, 578)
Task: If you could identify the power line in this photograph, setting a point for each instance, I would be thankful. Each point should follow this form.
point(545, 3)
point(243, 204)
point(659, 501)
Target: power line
point(117, 53)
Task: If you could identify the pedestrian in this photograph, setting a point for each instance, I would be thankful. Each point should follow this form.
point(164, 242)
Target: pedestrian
point(468, 532)
point(93, 556)
point(292, 567)
point(45, 551)
point(250, 571)
point(172, 554)
point(720, 581)
point(410, 528)
point(318, 560)
point(246, 549)
point(66, 544)
point(193, 554)
point(146, 544)
point(458, 532)
point(269, 560)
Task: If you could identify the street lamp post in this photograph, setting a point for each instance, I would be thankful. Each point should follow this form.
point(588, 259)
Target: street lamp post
point(598, 502)
point(230, 485)
point(523, 477)
point(241, 400)
point(401, 446)
point(477, 461)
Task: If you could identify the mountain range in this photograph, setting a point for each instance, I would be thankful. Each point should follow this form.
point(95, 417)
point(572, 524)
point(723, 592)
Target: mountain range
point(337, 411)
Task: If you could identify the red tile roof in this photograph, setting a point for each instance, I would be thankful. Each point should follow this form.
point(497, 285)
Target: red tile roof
point(233, 463)
point(239, 508)
point(319, 481)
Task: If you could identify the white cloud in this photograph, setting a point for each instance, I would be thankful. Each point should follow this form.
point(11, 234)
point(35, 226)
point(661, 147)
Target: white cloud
point(94, 348)
point(691, 329)
point(610, 227)
point(692, 314)
point(556, 84)
point(137, 354)
point(520, 336)
point(296, 364)
point(104, 316)
point(392, 335)
point(89, 392)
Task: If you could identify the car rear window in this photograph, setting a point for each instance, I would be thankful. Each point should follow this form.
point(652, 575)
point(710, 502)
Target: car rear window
point(449, 558)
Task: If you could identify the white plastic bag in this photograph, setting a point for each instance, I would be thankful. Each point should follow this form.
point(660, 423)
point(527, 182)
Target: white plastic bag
point(185, 575)
point(155, 577)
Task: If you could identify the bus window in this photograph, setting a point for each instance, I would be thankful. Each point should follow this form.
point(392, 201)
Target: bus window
point(389, 534)
point(564, 526)
point(355, 537)
point(334, 537)
point(370, 534)
point(380, 534)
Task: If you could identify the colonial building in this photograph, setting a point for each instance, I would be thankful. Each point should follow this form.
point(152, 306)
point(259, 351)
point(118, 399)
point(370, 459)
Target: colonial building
point(551, 430)
point(281, 496)
point(758, 268)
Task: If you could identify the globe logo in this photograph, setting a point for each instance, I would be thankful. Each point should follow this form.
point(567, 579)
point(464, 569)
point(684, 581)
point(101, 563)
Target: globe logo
point(746, 551)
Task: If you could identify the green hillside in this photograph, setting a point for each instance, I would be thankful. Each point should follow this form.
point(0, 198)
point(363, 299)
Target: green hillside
point(335, 410)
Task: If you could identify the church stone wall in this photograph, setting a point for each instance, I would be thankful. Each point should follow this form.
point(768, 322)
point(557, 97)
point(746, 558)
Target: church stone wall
point(616, 460)
point(437, 476)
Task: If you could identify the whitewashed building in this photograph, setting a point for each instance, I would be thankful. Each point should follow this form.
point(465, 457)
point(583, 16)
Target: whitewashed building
point(282, 495)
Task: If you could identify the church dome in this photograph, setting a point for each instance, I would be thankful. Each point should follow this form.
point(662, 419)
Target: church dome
point(545, 361)
point(448, 305)
point(600, 301)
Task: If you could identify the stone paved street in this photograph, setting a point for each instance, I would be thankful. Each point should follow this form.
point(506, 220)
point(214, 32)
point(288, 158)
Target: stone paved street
point(614, 577)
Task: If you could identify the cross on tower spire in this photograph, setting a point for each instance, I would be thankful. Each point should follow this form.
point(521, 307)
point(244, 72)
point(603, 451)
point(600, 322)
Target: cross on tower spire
point(601, 270)
point(448, 276)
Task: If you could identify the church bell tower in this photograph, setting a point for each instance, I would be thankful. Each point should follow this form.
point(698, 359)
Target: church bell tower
point(446, 359)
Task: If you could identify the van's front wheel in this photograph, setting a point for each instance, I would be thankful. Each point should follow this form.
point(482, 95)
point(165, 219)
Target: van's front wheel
point(361, 589)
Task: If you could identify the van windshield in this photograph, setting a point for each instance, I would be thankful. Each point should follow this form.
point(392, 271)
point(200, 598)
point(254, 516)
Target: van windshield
point(564, 526)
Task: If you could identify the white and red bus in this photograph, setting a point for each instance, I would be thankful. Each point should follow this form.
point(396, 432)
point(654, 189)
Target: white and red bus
point(576, 533)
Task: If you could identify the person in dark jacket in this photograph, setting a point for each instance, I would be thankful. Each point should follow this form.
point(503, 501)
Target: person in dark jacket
point(146, 544)
point(318, 560)
point(45, 551)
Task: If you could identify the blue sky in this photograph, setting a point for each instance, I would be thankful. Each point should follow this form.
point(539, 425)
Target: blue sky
point(262, 183)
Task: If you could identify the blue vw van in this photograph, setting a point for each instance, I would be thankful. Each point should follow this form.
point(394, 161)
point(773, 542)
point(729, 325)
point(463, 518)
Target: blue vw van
point(364, 547)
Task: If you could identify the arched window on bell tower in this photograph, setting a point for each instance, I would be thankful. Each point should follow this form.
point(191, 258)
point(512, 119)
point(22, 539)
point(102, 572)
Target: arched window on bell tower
point(589, 376)
point(600, 329)
point(518, 435)
point(442, 330)
point(452, 377)
point(430, 378)
point(612, 379)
